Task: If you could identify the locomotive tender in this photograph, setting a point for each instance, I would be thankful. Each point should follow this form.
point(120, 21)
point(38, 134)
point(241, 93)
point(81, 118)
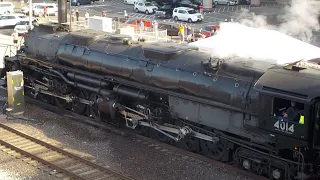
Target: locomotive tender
point(227, 109)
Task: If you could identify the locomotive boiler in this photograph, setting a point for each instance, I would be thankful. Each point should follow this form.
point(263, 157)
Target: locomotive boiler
point(227, 109)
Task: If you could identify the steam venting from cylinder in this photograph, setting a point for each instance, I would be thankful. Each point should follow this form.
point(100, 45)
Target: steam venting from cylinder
point(62, 11)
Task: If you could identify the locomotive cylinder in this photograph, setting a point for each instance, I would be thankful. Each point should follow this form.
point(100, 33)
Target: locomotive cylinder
point(87, 80)
point(133, 93)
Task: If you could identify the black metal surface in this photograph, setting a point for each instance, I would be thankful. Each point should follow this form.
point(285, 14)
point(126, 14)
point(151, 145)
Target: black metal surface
point(86, 87)
point(302, 86)
point(133, 93)
point(169, 66)
point(86, 79)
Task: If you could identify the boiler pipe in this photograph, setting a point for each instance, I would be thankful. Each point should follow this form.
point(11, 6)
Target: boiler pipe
point(87, 80)
point(125, 91)
point(104, 92)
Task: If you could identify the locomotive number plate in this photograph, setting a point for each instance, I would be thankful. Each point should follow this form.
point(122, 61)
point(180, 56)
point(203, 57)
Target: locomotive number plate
point(285, 127)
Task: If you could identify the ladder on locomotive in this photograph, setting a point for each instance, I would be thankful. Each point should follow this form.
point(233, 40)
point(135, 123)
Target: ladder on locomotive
point(11, 49)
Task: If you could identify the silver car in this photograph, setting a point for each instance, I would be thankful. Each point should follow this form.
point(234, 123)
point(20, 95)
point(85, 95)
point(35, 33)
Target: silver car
point(226, 2)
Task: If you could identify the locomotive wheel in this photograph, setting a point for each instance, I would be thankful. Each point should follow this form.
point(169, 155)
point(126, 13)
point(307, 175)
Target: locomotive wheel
point(94, 110)
point(45, 98)
point(61, 102)
point(142, 130)
point(189, 144)
point(154, 134)
point(61, 89)
point(77, 106)
point(213, 150)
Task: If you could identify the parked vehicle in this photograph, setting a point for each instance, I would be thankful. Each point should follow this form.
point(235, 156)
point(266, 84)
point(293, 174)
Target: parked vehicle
point(6, 8)
point(226, 2)
point(10, 20)
point(25, 9)
point(38, 8)
point(133, 1)
point(161, 2)
point(188, 3)
point(198, 2)
point(136, 23)
point(52, 9)
point(246, 2)
point(81, 2)
point(23, 26)
point(186, 14)
point(171, 29)
point(206, 30)
point(159, 5)
point(146, 7)
point(165, 11)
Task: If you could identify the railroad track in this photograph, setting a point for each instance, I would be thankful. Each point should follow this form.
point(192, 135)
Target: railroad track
point(64, 163)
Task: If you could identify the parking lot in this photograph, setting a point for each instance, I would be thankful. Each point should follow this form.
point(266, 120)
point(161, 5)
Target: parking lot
point(116, 8)
point(220, 13)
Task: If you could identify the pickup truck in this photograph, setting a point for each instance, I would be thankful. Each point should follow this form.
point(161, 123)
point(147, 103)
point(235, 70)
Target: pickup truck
point(165, 11)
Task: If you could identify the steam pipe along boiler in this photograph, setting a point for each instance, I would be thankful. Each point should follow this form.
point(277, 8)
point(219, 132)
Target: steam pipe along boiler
point(226, 109)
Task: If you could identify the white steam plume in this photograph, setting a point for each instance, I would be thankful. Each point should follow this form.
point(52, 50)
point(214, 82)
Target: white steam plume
point(300, 18)
point(254, 38)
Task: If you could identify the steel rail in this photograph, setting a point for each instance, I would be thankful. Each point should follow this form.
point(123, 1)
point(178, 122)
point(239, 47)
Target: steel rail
point(54, 149)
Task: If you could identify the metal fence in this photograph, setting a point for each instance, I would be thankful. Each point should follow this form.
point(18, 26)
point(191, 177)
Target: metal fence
point(147, 33)
point(76, 25)
point(121, 26)
point(151, 36)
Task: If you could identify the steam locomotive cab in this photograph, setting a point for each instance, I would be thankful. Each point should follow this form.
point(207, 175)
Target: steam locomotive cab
point(277, 89)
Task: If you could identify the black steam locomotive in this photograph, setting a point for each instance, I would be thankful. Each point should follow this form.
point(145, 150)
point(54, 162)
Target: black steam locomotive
point(226, 109)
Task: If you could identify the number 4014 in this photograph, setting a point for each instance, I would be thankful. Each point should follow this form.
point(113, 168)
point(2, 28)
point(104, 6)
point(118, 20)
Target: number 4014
point(284, 126)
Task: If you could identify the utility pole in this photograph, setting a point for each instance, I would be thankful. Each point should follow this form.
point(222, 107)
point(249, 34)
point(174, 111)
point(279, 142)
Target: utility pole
point(62, 11)
point(30, 12)
point(70, 13)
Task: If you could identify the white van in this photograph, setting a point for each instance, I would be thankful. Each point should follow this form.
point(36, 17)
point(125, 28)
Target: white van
point(133, 2)
point(6, 7)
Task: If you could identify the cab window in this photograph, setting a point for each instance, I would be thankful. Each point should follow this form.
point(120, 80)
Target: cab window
point(3, 17)
point(11, 17)
point(288, 110)
point(317, 116)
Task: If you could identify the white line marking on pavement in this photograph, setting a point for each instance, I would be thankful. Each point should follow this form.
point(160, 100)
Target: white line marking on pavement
point(224, 15)
point(215, 18)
